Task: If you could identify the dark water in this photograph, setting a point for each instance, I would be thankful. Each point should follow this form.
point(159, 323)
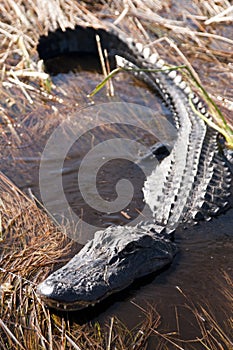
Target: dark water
point(205, 251)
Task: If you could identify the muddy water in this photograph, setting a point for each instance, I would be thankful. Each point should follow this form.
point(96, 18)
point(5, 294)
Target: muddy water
point(205, 251)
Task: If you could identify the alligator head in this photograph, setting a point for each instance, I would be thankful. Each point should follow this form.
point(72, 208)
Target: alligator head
point(108, 263)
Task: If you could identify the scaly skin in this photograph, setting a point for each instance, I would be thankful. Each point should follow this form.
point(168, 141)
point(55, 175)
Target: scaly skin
point(190, 184)
point(102, 267)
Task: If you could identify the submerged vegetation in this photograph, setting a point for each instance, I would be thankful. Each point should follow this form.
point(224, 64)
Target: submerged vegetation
point(193, 34)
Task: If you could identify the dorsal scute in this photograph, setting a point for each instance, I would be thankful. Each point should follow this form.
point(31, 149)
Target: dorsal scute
point(211, 189)
point(204, 168)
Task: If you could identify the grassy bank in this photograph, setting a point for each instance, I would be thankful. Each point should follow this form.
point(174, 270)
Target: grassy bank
point(197, 34)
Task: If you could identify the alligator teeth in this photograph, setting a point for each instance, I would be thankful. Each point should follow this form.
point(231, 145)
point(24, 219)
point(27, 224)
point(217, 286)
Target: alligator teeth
point(139, 47)
point(160, 63)
point(146, 52)
point(153, 58)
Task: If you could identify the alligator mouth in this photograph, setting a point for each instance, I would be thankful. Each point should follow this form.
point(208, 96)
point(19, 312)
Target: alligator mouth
point(69, 303)
point(46, 294)
point(65, 306)
point(73, 305)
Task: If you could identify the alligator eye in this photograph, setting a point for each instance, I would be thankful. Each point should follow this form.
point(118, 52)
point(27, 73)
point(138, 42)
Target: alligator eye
point(130, 248)
point(113, 260)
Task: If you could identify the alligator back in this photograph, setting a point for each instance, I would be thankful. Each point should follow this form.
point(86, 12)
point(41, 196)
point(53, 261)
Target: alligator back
point(193, 182)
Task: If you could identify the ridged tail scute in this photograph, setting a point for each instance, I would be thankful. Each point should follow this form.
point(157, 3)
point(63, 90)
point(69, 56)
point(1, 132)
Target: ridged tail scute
point(211, 189)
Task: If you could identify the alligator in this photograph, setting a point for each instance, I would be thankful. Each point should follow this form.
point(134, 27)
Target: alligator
point(190, 184)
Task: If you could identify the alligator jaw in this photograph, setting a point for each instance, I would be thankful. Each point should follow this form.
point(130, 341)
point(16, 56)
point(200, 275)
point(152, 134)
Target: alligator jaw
point(109, 263)
point(62, 305)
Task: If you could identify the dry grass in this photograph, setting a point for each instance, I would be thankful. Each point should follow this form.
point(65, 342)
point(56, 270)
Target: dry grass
point(30, 248)
point(30, 108)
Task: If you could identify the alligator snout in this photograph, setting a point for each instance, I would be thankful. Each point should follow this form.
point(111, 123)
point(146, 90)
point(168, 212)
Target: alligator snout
point(108, 263)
